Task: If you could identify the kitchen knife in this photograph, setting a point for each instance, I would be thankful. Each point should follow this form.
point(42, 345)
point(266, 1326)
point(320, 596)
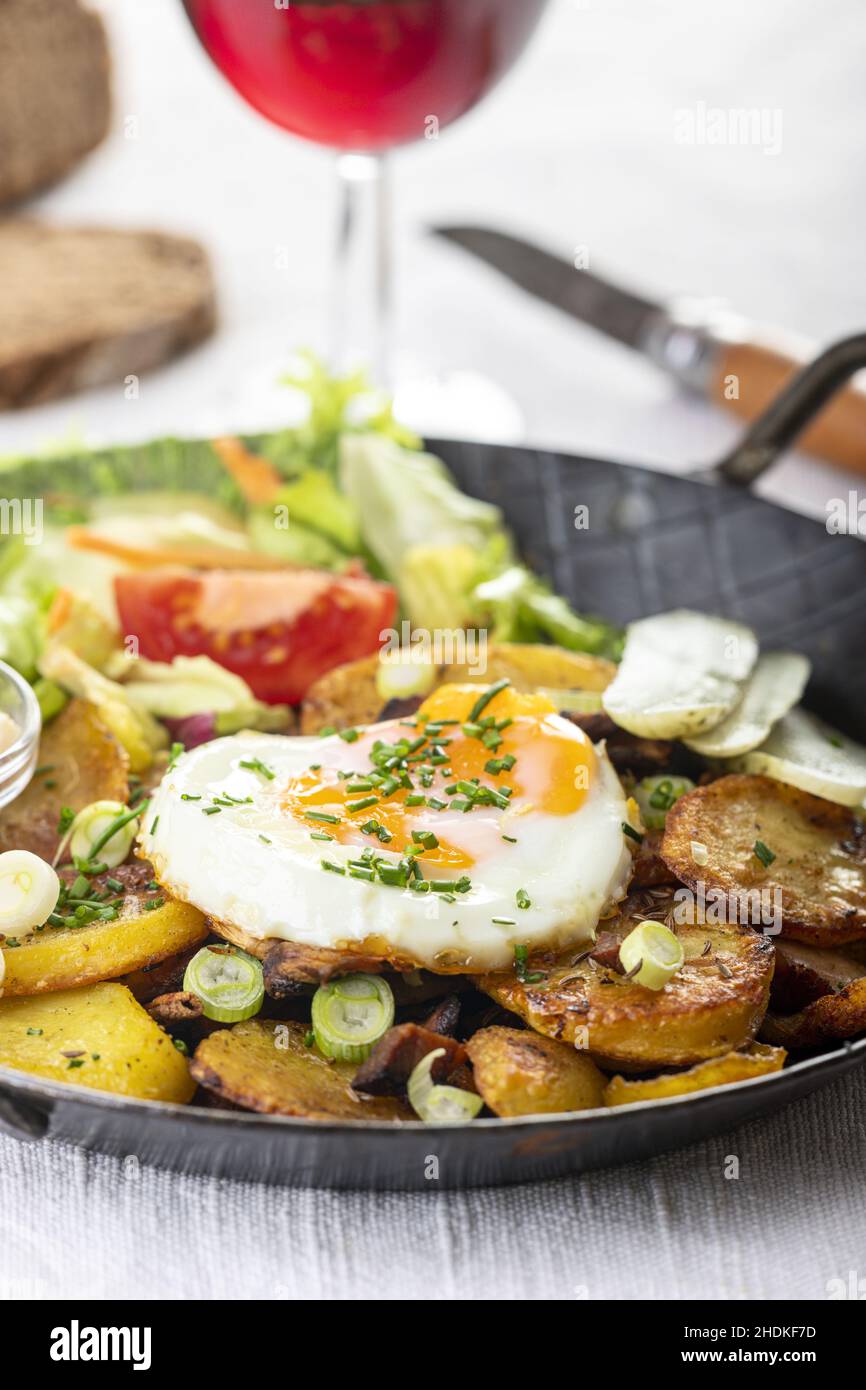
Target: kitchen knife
point(709, 349)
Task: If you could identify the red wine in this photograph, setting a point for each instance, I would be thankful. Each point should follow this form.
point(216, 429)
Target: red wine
point(363, 74)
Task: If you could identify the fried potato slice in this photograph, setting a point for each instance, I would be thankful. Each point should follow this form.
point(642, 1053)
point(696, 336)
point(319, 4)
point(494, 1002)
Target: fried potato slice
point(289, 965)
point(347, 696)
point(79, 762)
point(755, 1060)
point(98, 1036)
point(713, 1005)
point(819, 867)
point(522, 1073)
point(59, 958)
point(830, 1019)
point(267, 1067)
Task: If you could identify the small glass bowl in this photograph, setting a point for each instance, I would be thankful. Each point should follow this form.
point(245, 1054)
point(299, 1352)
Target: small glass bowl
point(18, 761)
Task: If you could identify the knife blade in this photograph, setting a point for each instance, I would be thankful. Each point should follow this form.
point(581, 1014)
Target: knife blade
point(705, 346)
point(595, 301)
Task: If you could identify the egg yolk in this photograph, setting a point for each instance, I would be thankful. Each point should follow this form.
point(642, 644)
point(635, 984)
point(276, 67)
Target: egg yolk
point(528, 759)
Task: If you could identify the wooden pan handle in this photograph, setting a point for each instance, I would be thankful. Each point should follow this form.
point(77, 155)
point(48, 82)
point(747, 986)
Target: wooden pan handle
point(749, 375)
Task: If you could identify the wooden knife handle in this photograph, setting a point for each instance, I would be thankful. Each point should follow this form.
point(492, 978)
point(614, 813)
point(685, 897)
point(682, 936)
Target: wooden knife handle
point(749, 375)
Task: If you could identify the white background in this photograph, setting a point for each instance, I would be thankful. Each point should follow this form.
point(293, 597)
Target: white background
point(576, 148)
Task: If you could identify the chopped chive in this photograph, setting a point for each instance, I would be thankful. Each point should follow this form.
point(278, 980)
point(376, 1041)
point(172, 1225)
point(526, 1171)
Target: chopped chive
point(503, 921)
point(510, 838)
point(314, 835)
point(362, 805)
point(632, 834)
point(426, 838)
point(211, 810)
point(327, 731)
point(67, 816)
point(392, 874)
point(435, 804)
point(322, 816)
point(188, 796)
point(349, 735)
point(523, 899)
point(331, 867)
point(484, 699)
point(764, 853)
point(256, 765)
point(416, 799)
point(363, 785)
point(265, 841)
point(115, 885)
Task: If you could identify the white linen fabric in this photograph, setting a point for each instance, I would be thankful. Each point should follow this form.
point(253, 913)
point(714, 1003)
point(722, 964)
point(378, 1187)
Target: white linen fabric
point(791, 1225)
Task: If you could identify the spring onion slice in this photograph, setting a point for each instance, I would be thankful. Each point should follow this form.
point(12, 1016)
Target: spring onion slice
point(656, 795)
point(653, 952)
point(350, 1015)
point(439, 1105)
point(229, 983)
point(401, 675)
point(106, 828)
point(29, 889)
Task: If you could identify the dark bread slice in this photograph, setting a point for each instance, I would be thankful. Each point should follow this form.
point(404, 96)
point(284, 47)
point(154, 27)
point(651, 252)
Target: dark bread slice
point(86, 306)
point(55, 92)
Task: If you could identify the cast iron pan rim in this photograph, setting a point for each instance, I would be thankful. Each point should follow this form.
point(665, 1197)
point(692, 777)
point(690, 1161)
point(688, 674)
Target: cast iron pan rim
point(35, 1089)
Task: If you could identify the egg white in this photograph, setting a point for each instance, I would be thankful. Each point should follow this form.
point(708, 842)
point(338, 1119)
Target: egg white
point(255, 866)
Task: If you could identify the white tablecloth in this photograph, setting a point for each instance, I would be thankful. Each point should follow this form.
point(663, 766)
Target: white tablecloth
point(789, 1227)
point(577, 148)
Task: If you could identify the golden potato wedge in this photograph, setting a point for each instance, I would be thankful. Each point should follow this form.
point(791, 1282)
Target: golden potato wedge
point(267, 1067)
point(97, 1036)
point(819, 867)
point(79, 762)
point(827, 1020)
point(347, 696)
point(64, 957)
point(755, 1060)
point(522, 1073)
point(711, 1006)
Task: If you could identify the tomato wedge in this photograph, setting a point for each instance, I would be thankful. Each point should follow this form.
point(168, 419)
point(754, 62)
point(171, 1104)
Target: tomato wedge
point(279, 630)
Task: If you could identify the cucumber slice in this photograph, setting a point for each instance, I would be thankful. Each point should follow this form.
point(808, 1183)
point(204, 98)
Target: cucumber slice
point(681, 673)
point(774, 687)
point(807, 753)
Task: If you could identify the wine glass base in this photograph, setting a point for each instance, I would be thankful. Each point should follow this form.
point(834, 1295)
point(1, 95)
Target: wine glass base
point(458, 405)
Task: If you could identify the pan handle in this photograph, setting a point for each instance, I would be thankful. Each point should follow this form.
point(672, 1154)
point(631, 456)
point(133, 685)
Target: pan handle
point(792, 410)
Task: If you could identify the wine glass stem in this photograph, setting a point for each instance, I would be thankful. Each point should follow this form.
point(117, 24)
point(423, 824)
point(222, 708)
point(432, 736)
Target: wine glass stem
point(362, 272)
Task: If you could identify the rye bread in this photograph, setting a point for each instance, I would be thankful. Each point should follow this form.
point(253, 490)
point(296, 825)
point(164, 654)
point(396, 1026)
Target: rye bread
point(86, 306)
point(55, 95)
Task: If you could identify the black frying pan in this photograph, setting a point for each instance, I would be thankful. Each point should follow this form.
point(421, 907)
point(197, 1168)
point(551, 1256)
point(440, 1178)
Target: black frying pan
point(654, 542)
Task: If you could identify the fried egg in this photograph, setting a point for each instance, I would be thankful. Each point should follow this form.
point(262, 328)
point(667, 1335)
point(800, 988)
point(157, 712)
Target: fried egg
point(453, 837)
